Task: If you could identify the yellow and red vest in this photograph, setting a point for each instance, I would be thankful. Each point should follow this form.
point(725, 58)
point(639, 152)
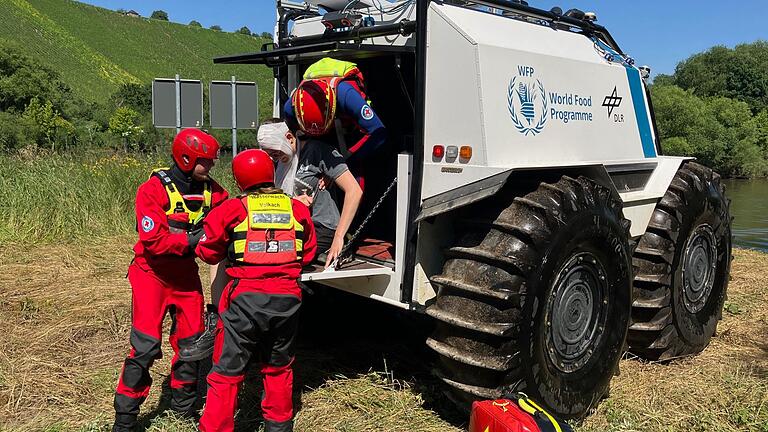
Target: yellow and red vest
point(180, 218)
point(269, 235)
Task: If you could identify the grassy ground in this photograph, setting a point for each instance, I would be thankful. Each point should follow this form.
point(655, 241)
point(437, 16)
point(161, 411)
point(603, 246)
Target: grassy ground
point(64, 321)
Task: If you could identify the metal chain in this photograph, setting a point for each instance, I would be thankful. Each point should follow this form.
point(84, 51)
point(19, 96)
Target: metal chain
point(365, 222)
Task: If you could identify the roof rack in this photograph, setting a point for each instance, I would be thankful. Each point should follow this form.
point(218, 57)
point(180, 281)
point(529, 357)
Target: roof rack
point(327, 41)
point(588, 28)
point(320, 43)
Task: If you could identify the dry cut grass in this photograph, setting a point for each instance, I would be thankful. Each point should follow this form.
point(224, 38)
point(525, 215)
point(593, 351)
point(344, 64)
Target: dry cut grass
point(725, 388)
point(65, 317)
point(65, 320)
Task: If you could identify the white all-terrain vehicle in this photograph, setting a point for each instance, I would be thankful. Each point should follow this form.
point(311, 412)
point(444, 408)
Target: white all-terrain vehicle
point(531, 214)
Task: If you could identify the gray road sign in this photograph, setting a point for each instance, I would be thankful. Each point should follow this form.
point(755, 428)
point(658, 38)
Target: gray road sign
point(177, 103)
point(246, 109)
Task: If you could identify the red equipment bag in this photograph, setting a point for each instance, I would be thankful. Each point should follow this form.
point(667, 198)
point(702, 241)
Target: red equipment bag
point(519, 414)
point(501, 415)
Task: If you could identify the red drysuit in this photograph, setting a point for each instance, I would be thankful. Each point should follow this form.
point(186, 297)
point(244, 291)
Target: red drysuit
point(164, 278)
point(258, 311)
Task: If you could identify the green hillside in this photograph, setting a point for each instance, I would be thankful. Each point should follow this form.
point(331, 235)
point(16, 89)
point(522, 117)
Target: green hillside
point(95, 50)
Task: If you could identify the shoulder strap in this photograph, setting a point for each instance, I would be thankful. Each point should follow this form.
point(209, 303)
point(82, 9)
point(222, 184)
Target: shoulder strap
point(546, 421)
point(207, 196)
point(165, 179)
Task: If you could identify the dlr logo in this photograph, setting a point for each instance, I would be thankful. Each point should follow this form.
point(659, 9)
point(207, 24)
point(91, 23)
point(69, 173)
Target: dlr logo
point(525, 70)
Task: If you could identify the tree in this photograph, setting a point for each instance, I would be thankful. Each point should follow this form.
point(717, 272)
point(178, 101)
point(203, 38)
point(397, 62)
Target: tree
point(135, 96)
point(266, 35)
point(159, 15)
point(663, 79)
point(216, 27)
point(194, 23)
point(124, 123)
point(737, 73)
point(719, 131)
point(48, 120)
point(22, 79)
point(245, 30)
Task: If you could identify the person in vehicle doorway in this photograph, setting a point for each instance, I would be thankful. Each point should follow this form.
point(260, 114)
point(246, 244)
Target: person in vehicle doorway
point(267, 237)
point(164, 276)
point(331, 105)
point(320, 168)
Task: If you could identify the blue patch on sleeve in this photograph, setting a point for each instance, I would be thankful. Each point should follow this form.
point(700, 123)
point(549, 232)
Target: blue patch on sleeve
point(147, 224)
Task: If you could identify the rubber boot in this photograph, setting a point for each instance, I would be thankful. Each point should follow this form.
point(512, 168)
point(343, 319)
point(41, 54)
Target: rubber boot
point(124, 423)
point(183, 402)
point(271, 426)
point(202, 347)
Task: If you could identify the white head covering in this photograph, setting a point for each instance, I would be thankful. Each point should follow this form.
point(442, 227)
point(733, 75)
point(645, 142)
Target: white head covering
point(272, 136)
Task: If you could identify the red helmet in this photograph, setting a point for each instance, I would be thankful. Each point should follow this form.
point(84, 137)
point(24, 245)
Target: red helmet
point(253, 167)
point(314, 103)
point(191, 144)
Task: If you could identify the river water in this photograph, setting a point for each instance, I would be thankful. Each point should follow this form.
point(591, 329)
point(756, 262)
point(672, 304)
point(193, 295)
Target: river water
point(749, 207)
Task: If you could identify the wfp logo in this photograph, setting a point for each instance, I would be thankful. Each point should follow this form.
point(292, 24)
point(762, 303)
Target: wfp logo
point(527, 102)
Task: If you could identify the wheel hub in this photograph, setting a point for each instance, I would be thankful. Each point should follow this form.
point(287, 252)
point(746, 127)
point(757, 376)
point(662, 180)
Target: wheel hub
point(699, 265)
point(576, 312)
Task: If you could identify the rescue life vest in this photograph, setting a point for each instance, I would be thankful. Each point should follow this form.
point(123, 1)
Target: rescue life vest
point(337, 71)
point(180, 217)
point(269, 235)
point(331, 72)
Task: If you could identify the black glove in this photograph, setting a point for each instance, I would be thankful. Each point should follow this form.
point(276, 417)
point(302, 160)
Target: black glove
point(193, 238)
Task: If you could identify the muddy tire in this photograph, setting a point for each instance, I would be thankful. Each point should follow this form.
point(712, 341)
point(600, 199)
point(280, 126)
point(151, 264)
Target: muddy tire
point(682, 264)
point(536, 298)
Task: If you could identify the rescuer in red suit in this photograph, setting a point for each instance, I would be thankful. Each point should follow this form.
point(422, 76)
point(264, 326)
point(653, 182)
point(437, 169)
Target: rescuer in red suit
point(267, 237)
point(164, 276)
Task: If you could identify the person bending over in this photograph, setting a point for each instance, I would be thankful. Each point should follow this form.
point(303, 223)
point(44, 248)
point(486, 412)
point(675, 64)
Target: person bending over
point(320, 175)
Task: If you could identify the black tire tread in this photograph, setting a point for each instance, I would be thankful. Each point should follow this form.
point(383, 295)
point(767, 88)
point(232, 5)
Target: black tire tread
point(524, 228)
point(652, 333)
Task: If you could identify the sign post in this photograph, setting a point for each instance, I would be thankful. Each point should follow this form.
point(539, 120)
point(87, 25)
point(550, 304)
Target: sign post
point(234, 116)
point(178, 103)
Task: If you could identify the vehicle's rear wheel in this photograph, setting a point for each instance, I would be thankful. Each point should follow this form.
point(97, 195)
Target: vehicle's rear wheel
point(682, 264)
point(536, 298)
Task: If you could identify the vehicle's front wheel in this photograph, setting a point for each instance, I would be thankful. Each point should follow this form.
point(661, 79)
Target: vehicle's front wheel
point(682, 261)
point(536, 298)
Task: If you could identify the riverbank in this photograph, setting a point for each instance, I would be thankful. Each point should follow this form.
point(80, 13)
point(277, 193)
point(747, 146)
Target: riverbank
point(749, 207)
point(65, 317)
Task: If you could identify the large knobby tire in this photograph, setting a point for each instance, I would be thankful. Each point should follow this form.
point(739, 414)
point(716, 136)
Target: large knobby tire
point(682, 264)
point(536, 298)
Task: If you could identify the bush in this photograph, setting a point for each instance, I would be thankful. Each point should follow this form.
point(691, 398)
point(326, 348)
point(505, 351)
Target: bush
point(159, 15)
point(23, 79)
point(124, 124)
point(14, 131)
point(51, 126)
point(135, 96)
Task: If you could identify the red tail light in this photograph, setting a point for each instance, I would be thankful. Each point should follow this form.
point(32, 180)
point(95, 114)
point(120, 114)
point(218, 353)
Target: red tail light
point(438, 152)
